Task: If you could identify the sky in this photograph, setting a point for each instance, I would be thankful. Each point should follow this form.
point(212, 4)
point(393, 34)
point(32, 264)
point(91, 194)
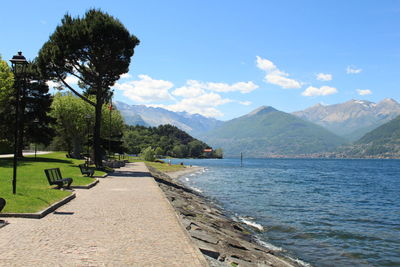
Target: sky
point(223, 59)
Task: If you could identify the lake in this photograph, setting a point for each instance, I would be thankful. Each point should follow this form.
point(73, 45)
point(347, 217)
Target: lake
point(326, 212)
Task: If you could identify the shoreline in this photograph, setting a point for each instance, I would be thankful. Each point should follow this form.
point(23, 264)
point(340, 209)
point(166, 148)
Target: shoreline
point(222, 240)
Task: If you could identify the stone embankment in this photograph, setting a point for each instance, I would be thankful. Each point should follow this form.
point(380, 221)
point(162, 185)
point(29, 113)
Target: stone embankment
point(222, 240)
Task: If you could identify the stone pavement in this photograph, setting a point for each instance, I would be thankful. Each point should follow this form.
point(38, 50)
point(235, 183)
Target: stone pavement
point(125, 220)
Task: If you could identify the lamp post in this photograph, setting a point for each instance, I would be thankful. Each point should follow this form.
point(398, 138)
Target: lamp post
point(18, 64)
point(88, 118)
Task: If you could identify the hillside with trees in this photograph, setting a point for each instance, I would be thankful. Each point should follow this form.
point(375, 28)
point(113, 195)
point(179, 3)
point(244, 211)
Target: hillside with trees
point(165, 140)
point(383, 142)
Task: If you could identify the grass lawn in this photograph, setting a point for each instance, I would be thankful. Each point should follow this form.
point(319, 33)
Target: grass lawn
point(33, 190)
point(163, 167)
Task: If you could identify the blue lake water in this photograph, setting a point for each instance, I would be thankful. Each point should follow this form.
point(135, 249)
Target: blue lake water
point(327, 212)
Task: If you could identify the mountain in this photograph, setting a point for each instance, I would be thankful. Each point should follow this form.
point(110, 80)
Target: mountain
point(268, 132)
point(194, 124)
point(353, 118)
point(383, 142)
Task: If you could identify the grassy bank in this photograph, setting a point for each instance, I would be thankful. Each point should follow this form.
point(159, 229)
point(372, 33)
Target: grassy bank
point(33, 191)
point(163, 167)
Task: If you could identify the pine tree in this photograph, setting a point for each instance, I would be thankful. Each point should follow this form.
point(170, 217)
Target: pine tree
point(96, 49)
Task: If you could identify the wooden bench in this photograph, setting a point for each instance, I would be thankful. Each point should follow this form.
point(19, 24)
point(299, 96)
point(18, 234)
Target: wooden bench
point(85, 170)
point(54, 177)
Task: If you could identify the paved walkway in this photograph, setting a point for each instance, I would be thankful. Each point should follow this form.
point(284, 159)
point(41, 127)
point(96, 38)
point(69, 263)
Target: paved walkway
point(123, 221)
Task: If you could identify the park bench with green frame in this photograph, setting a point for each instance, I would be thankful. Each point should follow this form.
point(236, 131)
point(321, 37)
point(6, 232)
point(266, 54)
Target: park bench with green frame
point(54, 177)
point(86, 170)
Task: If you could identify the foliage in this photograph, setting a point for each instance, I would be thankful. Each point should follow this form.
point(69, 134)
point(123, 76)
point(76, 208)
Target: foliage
point(6, 108)
point(96, 49)
point(33, 191)
point(383, 142)
point(35, 101)
point(75, 122)
point(148, 154)
point(167, 140)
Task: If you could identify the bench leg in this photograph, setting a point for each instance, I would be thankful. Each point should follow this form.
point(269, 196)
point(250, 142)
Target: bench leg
point(69, 182)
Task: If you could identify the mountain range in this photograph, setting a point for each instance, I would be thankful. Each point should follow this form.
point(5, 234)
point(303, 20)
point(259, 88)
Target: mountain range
point(382, 142)
point(352, 119)
point(267, 131)
point(194, 124)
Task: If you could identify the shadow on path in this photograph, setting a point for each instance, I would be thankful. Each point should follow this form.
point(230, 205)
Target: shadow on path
point(129, 174)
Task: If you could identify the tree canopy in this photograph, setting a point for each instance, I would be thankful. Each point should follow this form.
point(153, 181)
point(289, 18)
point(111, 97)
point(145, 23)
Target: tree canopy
point(96, 49)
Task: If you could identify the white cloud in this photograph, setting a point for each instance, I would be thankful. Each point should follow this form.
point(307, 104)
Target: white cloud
point(125, 76)
point(324, 90)
point(352, 70)
point(194, 97)
point(324, 77)
point(265, 64)
point(243, 87)
point(146, 89)
point(245, 103)
point(205, 105)
point(52, 84)
point(71, 80)
point(364, 92)
point(276, 76)
point(191, 89)
point(195, 88)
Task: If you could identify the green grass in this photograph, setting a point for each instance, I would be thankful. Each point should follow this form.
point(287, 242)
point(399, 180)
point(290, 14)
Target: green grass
point(163, 167)
point(33, 191)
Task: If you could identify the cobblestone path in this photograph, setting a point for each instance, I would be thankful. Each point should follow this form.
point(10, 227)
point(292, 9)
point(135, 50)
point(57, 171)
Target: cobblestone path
point(125, 220)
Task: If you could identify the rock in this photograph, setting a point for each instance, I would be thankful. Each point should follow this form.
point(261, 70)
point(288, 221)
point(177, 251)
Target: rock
point(217, 236)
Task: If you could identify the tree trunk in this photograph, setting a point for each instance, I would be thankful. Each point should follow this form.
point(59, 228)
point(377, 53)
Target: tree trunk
point(96, 135)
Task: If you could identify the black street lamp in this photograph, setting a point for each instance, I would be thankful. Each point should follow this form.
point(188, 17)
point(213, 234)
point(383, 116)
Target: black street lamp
point(18, 64)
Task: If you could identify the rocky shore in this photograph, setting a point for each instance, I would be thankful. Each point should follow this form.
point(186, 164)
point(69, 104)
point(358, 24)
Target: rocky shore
point(223, 241)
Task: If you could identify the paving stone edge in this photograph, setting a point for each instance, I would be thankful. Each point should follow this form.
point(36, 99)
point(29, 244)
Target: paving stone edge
point(200, 255)
point(40, 214)
point(86, 186)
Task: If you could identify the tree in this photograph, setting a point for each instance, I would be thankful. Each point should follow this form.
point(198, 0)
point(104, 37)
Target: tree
point(159, 151)
point(148, 154)
point(95, 49)
point(35, 101)
point(6, 107)
point(75, 122)
point(35, 123)
point(196, 148)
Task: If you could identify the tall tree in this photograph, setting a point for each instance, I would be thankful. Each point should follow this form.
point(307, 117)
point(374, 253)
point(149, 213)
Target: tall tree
point(35, 123)
point(6, 106)
point(96, 49)
point(74, 122)
point(35, 101)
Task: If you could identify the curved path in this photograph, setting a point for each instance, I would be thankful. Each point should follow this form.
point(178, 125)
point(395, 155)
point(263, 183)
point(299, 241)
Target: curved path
point(125, 220)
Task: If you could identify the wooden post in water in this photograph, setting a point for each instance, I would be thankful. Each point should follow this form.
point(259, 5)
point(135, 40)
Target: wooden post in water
point(241, 159)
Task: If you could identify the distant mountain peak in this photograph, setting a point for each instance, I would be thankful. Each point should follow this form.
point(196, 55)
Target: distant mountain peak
point(353, 118)
point(261, 110)
point(389, 100)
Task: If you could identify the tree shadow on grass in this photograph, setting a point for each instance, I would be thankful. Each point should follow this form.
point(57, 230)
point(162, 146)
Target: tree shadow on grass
point(8, 162)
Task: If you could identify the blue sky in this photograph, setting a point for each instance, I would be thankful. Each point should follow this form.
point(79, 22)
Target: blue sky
point(225, 58)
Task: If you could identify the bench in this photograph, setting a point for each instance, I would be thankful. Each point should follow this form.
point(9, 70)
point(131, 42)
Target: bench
point(54, 177)
point(86, 170)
